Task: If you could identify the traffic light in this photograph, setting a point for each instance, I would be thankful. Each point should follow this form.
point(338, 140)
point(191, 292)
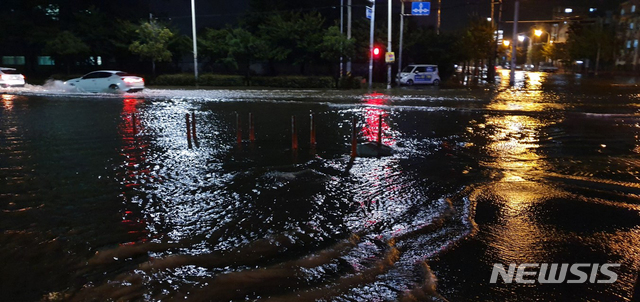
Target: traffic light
point(376, 52)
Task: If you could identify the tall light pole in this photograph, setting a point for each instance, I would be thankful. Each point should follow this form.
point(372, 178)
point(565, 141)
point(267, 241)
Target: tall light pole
point(389, 45)
point(195, 41)
point(512, 75)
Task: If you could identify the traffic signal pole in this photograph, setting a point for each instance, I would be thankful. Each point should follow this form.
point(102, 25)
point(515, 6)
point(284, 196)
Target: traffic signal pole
point(373, 17)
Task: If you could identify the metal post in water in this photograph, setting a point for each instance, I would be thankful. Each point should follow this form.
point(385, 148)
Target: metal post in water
point(354, 138)
point(312, 131)
point(239, 131)
point(379, 130)
point(193, 129)
point(379, 134)
point(188, 131)
point(252, 134)
point(294, 134)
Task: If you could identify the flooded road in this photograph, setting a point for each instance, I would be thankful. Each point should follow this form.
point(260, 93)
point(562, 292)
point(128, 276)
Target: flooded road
point(102, 197)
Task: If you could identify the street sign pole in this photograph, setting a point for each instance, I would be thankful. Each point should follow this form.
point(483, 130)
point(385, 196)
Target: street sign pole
point(373, 17)
point(401, 36)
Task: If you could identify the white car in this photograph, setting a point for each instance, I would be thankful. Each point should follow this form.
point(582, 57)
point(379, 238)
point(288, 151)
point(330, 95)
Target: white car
point(108, 81)
point(419, 74)
point(9, 77)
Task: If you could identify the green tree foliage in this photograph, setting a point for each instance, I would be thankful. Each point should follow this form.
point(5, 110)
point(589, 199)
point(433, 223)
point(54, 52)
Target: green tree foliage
point(66, 47)
point(555, 51)
point(293, 37)
point(336, 45)
point(478, 39)
point(594, 42)
point(153, 43)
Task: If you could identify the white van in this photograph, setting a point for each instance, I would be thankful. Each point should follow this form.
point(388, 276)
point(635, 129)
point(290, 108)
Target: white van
point(419, 74)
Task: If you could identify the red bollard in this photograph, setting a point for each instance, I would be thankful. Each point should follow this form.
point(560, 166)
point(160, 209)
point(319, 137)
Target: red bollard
point(354, 139)
point(312, 133)
point(193, 129)
point(188, 131)
point(294, 134)
point(252, 134)
point(239, 127)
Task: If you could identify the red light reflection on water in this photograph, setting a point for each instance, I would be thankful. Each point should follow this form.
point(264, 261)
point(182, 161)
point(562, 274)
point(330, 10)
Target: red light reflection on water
point(373, 116)
point(134, 149)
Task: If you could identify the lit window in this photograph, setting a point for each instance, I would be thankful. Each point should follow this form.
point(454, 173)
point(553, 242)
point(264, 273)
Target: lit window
point(13, 60)
point(635, 43)
point(45, 61)
point(633, 8)
point(622, 12)
point(631, 25)
point(568, 10)
point(629, 44)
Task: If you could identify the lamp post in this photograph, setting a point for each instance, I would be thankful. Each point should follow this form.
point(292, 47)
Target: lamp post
point(195, 41)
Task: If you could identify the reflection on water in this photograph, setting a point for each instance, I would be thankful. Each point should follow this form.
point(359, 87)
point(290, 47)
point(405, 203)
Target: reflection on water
point(120, 208)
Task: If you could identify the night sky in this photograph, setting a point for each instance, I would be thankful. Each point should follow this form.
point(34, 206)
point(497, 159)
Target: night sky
point(455, 13)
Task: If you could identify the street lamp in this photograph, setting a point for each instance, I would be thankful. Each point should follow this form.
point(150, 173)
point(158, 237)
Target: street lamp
point(539, 32)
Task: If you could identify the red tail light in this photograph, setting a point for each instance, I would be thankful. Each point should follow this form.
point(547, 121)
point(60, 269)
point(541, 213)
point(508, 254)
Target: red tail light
point(133, 80)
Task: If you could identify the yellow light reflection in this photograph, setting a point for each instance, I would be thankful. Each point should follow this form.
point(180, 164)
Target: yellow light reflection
point(7, 101)
point(513, 143)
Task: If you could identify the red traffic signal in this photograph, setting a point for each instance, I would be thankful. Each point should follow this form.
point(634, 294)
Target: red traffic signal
point(376, 52)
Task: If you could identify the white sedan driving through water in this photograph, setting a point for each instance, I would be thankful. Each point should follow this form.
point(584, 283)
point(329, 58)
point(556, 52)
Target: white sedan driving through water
point(108, 81)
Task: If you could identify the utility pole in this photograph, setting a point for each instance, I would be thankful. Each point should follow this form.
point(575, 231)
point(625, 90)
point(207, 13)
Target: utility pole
point(349, 34)
point(514, 45)
point(439, 10)
point(389, 45)
point(195, 41)
point(373, 17)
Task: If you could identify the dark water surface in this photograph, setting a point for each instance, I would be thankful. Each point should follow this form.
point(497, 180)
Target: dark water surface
point(101, 197)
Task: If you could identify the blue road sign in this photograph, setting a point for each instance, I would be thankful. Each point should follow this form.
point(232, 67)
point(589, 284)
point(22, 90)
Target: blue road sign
point(420, 8)
point(369, 10)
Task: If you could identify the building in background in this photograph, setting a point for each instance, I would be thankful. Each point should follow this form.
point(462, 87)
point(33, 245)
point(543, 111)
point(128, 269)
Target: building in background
point(628, 34)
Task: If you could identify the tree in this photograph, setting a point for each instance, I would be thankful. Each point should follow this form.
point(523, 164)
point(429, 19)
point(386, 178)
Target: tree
point(478, 40)
point(555, 51)
point(153, 43)
point(293, 37)
point(66, 47)
point(594, 42)
point(214, 45)
point(243, 48)
point(335, 45)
